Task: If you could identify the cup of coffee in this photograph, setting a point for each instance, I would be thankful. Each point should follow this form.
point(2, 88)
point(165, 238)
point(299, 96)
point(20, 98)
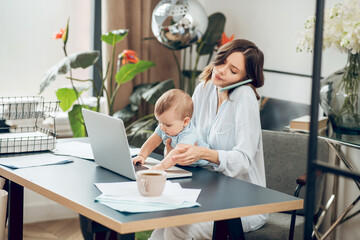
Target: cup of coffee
point(151, 183)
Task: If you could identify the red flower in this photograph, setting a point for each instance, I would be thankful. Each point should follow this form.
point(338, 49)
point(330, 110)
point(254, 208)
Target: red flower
point(225, 39)
point(128, 56)
point(60, 34)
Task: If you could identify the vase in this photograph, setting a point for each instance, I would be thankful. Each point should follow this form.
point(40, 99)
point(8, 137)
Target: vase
point(339, 97)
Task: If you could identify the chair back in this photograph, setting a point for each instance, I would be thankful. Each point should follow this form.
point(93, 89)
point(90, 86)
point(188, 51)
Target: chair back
point(285, 156)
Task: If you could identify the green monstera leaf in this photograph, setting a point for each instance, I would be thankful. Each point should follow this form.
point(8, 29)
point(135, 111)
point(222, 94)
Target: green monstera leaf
point(77, 121)
point(114, 36)
point(67, 96)
point(129, 71)
point(153, 94)
point(76, 60)
point(213, 33)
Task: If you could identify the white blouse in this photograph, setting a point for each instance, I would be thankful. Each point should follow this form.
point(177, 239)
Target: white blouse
point(234, 131)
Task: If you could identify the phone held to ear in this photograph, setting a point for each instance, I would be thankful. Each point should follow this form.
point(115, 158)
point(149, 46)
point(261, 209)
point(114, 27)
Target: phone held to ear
point(236, 85)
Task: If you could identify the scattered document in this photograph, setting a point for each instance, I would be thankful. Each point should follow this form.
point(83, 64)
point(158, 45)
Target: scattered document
point(125, 197)
point(32, 160)
point(74, 148)
point(81, 150)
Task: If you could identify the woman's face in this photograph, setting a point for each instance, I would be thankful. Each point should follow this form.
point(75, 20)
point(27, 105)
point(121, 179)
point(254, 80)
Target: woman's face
point(231, 71)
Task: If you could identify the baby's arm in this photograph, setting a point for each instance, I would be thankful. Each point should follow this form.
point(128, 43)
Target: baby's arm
point(166, 163)
point(151, 143)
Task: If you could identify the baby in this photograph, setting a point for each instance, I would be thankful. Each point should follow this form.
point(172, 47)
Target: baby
point(173, 110)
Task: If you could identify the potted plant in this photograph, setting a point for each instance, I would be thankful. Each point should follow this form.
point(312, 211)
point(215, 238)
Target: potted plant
point(70, 98)
point(339, 93)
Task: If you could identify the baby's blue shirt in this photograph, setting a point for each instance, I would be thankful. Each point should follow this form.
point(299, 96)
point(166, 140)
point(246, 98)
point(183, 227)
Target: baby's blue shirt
point(188, 136)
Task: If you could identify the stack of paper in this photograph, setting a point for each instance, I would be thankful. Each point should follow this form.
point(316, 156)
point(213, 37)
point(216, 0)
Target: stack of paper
point(30, 160)
point(124, 197)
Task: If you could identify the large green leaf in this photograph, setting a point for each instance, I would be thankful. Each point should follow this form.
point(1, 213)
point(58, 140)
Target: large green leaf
point(136, 96)
point(213, 33)
point(114, 36)
point(129, 71)
point(76, 60)
point(125, 114)
point(66, 96)
point(141, 131)
point(77, 121)
point(153, 94)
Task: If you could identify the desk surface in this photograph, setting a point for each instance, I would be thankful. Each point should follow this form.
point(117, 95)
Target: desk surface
point(72, 185)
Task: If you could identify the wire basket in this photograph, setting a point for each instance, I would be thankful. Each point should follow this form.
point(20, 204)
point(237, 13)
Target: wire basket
point(27, 107)
point(27, 139)
point(14, 139)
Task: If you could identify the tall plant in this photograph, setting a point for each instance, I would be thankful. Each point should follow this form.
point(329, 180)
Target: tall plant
point(70, 98)
point(140, 129)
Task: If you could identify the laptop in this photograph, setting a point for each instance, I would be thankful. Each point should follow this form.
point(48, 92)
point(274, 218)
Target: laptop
point(111, 149)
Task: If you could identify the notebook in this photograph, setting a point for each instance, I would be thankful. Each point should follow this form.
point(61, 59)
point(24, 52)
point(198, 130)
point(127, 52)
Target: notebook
point(110, 146)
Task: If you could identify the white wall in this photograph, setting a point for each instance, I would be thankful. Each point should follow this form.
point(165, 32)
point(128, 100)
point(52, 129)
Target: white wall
point(27, 51)
point(27, 47)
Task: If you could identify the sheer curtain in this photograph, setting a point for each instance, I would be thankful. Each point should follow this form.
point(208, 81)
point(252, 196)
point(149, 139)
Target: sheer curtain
point(135, 15)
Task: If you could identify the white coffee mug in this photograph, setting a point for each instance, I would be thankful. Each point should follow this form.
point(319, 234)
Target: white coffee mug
point(151, 183)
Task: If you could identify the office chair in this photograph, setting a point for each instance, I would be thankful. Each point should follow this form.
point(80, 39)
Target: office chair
point(285, 156)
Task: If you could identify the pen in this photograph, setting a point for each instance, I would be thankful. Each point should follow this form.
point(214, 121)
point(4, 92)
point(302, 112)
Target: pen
point(236, 85)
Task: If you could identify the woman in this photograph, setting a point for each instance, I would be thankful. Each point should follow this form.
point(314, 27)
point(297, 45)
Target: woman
point(229, 123)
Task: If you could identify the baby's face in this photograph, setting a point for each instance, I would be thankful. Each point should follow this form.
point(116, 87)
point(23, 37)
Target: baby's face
point(170, 122)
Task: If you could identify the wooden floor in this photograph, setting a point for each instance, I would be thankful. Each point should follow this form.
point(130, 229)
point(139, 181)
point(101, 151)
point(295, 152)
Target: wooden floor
point(68, 229)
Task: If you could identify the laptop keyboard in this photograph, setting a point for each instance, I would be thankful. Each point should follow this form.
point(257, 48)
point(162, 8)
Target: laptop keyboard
point(139, 167)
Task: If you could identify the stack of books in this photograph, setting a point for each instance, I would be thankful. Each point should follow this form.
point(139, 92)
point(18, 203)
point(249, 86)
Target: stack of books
point(302, 124)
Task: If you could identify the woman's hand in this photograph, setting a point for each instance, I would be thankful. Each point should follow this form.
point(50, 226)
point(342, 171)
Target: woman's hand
point(186, 154)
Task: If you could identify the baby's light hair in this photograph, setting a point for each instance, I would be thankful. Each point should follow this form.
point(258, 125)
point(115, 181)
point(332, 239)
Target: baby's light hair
point(175, 98)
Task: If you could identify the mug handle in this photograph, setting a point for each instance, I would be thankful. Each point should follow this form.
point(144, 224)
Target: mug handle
point(145, 184)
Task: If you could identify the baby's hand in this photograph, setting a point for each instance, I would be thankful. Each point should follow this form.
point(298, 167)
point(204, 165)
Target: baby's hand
point(139, 159)
point(159, 167)
point(164, 164)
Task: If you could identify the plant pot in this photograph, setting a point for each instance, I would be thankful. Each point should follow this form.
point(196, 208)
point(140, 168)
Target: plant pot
point(339, 97)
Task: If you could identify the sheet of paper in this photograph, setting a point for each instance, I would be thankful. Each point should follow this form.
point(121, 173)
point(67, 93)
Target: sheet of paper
point(18, 136)
point(74, 148)
point(125, 197)
point(173, 193)
point(132, 207)
point(31, 160)
point(134, 151)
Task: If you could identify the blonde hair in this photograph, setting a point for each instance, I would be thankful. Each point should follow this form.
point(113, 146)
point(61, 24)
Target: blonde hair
point(175, 98)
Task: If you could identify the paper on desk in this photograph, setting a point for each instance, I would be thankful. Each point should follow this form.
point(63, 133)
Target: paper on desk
point(125, 197)
point(138, 207)
point(31, 160)
point(81, 150)
point(74, 148)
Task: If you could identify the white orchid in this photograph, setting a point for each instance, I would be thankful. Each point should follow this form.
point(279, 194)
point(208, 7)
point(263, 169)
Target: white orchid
point(341, 28)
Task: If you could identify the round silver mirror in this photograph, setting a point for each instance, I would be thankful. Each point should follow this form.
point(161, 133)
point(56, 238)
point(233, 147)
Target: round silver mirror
point(178, 23)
